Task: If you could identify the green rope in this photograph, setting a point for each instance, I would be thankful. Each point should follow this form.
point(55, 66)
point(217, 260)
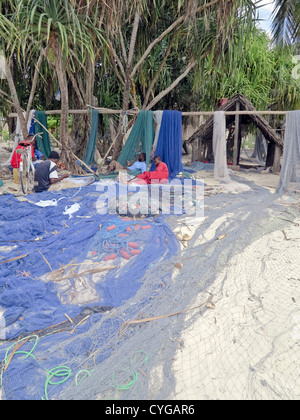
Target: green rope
point(56, 372)
point(135, 365)
point(7, 356)
point(87, 373)
point(129, 384)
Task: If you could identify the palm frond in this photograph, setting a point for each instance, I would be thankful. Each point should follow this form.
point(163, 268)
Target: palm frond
point(286, 22)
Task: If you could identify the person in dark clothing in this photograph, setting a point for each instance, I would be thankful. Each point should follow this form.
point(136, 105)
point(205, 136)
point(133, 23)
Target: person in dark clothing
point(46, 173)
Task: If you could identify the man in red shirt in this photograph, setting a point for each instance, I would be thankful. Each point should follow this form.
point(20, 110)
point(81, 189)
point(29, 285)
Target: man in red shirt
point(159, 176)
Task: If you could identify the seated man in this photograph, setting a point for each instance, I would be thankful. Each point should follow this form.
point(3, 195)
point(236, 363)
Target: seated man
point(159, 176)
point(38, 155)
point(140, 164)
point(46, 173)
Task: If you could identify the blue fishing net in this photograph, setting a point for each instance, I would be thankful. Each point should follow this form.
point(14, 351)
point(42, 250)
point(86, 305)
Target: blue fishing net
point(63, 267)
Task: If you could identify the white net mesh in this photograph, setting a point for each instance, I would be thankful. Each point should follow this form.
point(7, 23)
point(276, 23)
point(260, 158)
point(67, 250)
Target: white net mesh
point(235, 294)
point(290, 172)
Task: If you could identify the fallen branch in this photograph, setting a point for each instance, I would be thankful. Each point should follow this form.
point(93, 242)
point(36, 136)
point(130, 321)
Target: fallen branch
point(47, 262)
point(87, 273)
point(81, 322)
point(14, 259)
point(156, 318)
point(16, 348)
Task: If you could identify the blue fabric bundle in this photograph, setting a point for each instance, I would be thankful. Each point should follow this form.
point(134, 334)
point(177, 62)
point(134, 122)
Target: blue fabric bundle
point(169, 146)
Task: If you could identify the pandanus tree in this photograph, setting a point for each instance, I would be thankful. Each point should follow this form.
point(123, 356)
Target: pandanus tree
point(57, 30)
point(153, 46)
point(153, 36)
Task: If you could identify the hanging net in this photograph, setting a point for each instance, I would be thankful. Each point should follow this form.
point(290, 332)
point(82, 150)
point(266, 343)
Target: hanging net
point(290, 171)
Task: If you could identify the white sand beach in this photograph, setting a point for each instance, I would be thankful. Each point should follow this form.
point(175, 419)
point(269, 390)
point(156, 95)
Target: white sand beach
point(248, 346)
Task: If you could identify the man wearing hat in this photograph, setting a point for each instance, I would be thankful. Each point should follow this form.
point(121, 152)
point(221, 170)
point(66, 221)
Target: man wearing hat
point(46, 173)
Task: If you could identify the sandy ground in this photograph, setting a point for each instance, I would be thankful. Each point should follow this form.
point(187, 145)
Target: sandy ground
point(247, 346)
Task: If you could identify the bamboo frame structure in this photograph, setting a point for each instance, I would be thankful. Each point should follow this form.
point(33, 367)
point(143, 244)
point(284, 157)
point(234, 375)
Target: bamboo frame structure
point(237, 113)
point(135, 112)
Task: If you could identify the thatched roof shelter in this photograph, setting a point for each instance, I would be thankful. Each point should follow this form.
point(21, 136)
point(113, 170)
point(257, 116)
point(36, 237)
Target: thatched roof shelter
point(205, 131)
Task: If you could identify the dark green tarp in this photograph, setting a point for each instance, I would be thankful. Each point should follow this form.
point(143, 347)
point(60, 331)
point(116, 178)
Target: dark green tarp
point(42, 141)
point(142, 132)
point(91, 146)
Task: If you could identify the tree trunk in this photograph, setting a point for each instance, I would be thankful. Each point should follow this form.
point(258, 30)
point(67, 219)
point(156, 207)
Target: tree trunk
point(34, 84)
point(66, 153)
point(172, 86)
point(129, 77)
point(127, 88)
point(130, 60)
point(152, 84)
point(15, 98)
point(86, 120)
point(236, 136)
point(83, 95)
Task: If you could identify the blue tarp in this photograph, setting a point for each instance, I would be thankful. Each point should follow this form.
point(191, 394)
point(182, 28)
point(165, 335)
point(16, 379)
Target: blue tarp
point(169, 145)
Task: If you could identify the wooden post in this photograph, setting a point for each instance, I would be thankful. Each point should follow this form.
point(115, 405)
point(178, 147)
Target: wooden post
point(199, 157)
point(240, 144)
point(236, 136)
point(276, 162)
point(270, 155)
point(194, 151)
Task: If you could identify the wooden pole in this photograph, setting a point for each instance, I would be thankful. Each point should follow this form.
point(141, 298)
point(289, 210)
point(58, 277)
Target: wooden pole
point(270, 155)
point(236, 136)
point(55, 112)
point(199, 155)
point(194, 151)
point(276, 162)
point(135, 112)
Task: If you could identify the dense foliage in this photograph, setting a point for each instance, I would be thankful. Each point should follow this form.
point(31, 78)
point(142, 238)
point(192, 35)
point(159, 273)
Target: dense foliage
point(162, 54)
